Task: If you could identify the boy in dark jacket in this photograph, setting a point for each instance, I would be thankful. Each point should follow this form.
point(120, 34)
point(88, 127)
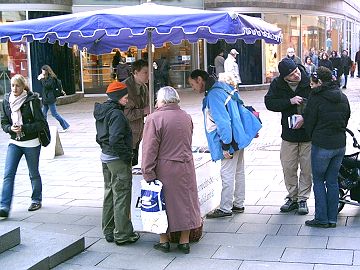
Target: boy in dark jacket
point(114, 136)
point(288, 94)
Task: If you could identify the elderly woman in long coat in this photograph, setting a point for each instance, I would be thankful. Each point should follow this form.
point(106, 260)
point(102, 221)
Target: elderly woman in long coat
point(167, 156)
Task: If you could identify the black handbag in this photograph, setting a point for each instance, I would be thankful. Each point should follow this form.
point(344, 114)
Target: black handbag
point(44, 134)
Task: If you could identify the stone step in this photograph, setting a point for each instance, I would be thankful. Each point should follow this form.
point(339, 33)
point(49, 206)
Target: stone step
point(41, 250)
point(9, 237)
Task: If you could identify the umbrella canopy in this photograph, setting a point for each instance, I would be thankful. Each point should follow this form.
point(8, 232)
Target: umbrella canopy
point(101, 31)
point(147, 24)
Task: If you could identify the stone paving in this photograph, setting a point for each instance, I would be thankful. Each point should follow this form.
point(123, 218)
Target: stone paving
point(260, 238)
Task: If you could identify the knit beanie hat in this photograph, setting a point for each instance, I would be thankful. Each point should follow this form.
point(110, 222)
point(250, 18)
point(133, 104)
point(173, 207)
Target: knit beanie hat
point(286, 66)
point(116, 90)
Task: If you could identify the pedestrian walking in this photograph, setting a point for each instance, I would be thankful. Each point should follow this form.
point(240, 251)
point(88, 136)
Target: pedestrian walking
point(219, 62)
point(138, 103)
point(290, 53)
point(288, 94)
point(346, 64)
point(113, 134)
point(50, 85)
point(22, 119)
point(357, 61)
point(231, 67)
point(227, 136)
point(326, 116)
point(167, 156)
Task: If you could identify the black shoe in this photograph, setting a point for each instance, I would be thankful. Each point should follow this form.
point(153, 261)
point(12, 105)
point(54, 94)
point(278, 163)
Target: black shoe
point(236, 209)
point(303, 209)
point(109, 238)
point(34, 206)
point(316, 223)
point(4, 214)
point(164, 247)
point(289, 205)
point(217, 213)
point(332, 225)
point(132, 239)
point(184, 248)
point(344, 87)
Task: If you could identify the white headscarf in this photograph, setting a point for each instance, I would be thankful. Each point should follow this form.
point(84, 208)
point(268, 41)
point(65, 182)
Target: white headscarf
point(15, 105)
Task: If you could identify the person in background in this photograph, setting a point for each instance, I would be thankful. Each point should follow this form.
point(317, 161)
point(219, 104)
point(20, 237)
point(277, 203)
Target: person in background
point(227, 137)
point(116, 59)
point(163, 68)
point(48, 79)
point(314, 57)
point(219, 62)
point(22, 119)
point(231, 67)
point(346, 64)
point(325, 119)
point(290, 53)
point(337, 66)
point(123, 70)
point(167, 156)
point(288, 94)
point(113, 134)
point(357, 61)
point(309, 66)
point(325, 62)
point(137, 106)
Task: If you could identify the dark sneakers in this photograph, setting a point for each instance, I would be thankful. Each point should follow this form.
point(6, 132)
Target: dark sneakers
point(164, 247)
point(289, 205)
point(3, 214)
point(315, 223)
point(236, 209)
point(34, 206)
point(132, 239)
point(217, 213)
point(109, 238)
point(303, 209)
point(185, 248)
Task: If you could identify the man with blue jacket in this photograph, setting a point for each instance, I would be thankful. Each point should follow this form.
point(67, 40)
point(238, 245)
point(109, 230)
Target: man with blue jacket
point(227, 136)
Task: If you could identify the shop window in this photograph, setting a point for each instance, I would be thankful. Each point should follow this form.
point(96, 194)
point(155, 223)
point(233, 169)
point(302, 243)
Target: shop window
point(313, 34)
point(290, 26)
point(13, 56)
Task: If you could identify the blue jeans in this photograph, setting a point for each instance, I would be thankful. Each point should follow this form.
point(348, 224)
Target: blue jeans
point(55, 114)
point(13, 156)
point(325, 165)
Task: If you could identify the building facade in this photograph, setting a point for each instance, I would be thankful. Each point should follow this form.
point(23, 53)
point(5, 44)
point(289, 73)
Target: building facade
point(321, 24)
point(325, 25)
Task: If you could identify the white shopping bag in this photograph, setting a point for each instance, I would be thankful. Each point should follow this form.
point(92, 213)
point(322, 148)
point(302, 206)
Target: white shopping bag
point(153, 211)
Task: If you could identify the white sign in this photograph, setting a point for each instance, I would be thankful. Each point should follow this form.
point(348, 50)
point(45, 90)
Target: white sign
point(208, 186)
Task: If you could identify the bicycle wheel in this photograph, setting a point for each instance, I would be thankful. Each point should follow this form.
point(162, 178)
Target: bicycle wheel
point(341, 204)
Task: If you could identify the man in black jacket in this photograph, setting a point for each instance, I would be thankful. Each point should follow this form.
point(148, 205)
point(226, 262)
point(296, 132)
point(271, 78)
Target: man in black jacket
point(113, 134)
point(288, 94)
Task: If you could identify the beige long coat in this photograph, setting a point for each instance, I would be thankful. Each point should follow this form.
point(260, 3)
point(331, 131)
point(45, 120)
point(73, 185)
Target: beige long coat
point(167, 156)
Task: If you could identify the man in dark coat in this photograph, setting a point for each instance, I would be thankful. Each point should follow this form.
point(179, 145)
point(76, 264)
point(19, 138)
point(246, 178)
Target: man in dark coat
point(288, 94)
point(113, 134)
point(357, 60)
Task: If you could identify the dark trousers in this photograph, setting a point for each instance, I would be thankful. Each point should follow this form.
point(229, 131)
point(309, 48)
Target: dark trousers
point(135, 159)
point(117, 200)
point(358, 67)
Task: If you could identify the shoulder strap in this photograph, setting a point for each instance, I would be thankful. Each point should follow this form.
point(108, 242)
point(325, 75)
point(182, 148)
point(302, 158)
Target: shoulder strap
point(231, 95)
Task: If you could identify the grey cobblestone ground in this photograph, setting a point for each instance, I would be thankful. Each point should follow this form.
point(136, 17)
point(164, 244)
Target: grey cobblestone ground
point(259, 239)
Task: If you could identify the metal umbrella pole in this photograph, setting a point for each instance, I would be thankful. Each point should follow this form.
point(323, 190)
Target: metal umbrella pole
point(151, 70)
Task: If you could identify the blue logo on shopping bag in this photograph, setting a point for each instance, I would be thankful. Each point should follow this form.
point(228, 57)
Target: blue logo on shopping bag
point(152, 201)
